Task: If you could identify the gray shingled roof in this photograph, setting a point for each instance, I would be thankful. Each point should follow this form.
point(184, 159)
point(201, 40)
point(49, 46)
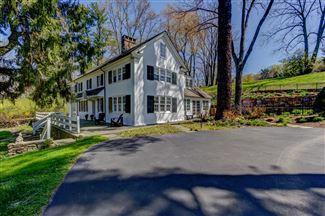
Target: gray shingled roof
point(196, 93)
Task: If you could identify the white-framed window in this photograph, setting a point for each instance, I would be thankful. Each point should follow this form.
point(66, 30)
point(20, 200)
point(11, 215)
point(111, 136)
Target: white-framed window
point(123, 72)
point(119, 74)
point(162, 102)
point(156, 74)
point(168, 104)
point(205, 105)
point(169, 76)
point(114, 76)
point(114, 104)
point(119, 104)
point(80, 87)
point(89, 83)
point(83, 106)
point(188, 104)
point(189, 82)
point(162, 50)
point(124, 103)
point(100, 104)
point(156, 103)
point(162, 72)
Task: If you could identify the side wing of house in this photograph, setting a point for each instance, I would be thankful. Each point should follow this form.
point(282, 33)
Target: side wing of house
point(159, 83)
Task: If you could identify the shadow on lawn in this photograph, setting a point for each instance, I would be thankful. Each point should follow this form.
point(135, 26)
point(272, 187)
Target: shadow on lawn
point(177, 192)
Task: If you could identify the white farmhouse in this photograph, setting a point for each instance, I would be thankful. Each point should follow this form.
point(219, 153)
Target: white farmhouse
point(147, 83)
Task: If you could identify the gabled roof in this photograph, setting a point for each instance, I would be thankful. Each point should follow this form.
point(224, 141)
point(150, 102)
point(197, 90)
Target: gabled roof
point(196, 93)
point(126, 53)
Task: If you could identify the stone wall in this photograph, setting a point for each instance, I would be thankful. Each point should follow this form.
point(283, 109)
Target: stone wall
point(21, 147)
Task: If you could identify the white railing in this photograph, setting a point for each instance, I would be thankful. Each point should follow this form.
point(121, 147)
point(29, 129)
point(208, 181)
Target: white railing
point(46, 119)
point(70, 123)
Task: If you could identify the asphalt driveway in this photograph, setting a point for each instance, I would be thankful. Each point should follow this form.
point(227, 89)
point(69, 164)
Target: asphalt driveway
point(247, 171)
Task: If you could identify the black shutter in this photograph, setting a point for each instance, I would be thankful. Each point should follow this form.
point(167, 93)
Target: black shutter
point(102, 79)
point(150, 72)
point(110, 104)
point(110, 77)
point(127, 74)
point(97, 81)
point(76, 87)
point(90, 83)
point(127, 108)
point(174, 105)
point(150, 104)
point(174, 78)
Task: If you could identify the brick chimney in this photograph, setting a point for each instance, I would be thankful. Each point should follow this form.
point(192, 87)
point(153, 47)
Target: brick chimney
point(127, 42)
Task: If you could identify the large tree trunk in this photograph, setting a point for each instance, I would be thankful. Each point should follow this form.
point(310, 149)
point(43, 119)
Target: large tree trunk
point(224, 58)
point(238, 88)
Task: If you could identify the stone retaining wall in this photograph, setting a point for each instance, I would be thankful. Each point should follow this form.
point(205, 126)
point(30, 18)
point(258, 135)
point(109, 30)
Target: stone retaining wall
point(21, 147)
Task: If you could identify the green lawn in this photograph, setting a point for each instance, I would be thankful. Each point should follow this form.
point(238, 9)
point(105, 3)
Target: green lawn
point(150, 130)
point(28, 180)
point(303, 81)
point(5, 138)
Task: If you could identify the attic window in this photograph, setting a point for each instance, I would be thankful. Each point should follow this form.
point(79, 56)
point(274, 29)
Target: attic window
point(162, 50)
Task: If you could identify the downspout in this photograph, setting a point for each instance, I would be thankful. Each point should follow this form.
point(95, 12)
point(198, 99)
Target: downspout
point(106, 113)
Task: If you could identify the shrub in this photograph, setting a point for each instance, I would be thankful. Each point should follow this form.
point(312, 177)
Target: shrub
point(302, 120)
point(319, 104)
point(254, 112)
point(284, 119)
point(230, 115)
point(318, 119)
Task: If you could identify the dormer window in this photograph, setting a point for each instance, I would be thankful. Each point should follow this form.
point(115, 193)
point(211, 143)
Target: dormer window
point(162, 50)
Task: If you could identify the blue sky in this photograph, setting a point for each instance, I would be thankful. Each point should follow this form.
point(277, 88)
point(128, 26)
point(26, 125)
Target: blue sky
point(263, 54)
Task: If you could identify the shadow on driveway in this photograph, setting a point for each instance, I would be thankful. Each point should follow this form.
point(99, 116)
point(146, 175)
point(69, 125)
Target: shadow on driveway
point(176, 192)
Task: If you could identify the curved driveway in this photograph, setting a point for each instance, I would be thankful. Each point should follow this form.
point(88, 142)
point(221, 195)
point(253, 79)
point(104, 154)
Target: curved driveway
point(247, 171)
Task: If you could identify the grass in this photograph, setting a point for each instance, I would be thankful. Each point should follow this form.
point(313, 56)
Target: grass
point(28, 180)
point(305, 81)
point(150, 130)
point(5, 138)
point(218, 125)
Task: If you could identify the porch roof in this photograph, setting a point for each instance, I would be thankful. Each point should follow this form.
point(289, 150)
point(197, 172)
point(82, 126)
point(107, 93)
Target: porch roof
point(196, 93)
point(94, 92)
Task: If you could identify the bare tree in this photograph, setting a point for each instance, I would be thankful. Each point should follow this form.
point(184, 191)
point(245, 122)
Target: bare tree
point(224, 58)
point(133, 18)
point(241, 55)
point(300, 22)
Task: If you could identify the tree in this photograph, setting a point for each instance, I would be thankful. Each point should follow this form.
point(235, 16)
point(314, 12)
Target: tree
point(241, 56)
point(101, 34)
point(224, 58)
point(300, 22)
point(46, 40)
point(133, 18)
point(183, 29)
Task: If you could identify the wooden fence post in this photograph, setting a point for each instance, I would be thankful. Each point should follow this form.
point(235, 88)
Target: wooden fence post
point(78, 124)
point(48, 134)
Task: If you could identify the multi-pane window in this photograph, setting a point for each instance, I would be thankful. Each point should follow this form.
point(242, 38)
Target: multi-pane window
point(162, 50)
point(114, 76)
point(168, 104)
point(162, 74)
point(100, 104)
point(100, 80)
point(123, 72)
point(119, 74)
point(119, 104)
point(188, 104)
point(124, 103)
point(83, 106)
point(205, 105)
point(156, 74)
point(115, 104)
point(156, 104)
point(189, 82)
point(80, 87)
point(169, 76)
point(89, 84)
point(162, 101)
